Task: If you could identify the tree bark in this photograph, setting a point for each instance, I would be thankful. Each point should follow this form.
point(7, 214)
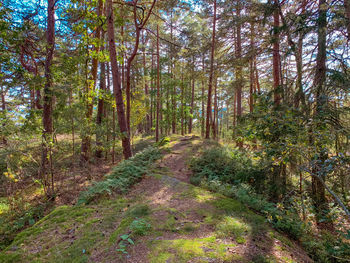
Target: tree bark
point(100, 111)
point(145, 73)
point(318, 189)
point(46, 158)
point(117, 83)
point(182, 103)
point(3, 108)
point(209, 107)
point(192, 99)
point(158, 87)
point(276, 55)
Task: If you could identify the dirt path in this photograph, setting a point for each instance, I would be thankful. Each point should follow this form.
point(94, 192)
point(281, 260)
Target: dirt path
point(194, 225)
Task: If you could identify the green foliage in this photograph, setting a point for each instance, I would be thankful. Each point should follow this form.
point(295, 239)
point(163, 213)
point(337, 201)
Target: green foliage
point(226, 165)
point(14, 220)
point(163, 141)
point(123, 176)
point(140, 227)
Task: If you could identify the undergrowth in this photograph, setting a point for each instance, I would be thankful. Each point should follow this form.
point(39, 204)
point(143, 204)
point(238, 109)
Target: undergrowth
point(123, 176)
point(229, 172)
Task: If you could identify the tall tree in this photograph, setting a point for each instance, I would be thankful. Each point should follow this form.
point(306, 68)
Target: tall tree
point(117, 83)
point(211, 75)
point(318, 189)
point(139, 24)
point(276, 54)
point(46, 158)
point(86, 140)
point(158, 87)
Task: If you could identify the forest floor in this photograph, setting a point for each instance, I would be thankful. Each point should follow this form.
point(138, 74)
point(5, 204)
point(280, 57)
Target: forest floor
point(162, 219)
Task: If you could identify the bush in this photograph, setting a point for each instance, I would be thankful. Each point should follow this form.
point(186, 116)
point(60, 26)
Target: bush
point(228, 166)
point(123, 176)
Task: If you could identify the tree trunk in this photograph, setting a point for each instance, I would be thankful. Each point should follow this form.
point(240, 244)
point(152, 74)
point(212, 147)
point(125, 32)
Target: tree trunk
point(276, 55)
point(46, 159)
point(318, 189)
point(192, 99)
point(145, 74)
point(182, 103)
point(251, 68)
point(158, 87)
point(3, 108)
point(117, 84)
point(100, 111)
point(239, 71)
point(209, 107)
point(203, 96)
point(86, 140)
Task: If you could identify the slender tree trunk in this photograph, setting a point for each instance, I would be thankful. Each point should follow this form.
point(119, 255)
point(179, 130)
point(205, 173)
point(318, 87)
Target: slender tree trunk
point(117, 83)
point(209, 107)
point(318, 188)
point(86, 140)
point(72, 121)
point(182, 102)
point(158, 87)
point(173, 123)
point(300, 96)
point(276, 55)
point(251, 68)
point(46, 160)
point(203, 96)
point(152, 87)
point(192, 99)
point(100, 111)
point(145, 74)
point(214, 123)
point(239, 66)
point(257, 76)
point(3, 108)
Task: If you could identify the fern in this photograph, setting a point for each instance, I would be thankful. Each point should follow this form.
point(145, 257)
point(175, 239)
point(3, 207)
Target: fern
point(123, 176)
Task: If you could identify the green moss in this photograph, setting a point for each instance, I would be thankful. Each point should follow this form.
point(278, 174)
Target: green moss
point(233, 227)
point(6, 257)
point(229, 205)
point(162, 257)
point(78, 251)
point(183, 250)
point(197, 193)
point(139, 210)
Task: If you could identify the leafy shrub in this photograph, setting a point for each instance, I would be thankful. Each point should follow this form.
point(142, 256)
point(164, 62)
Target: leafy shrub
point(123, 176)
point(227, 166)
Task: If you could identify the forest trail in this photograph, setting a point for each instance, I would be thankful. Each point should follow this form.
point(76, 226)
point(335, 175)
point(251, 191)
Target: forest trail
point(195, 225)
point(166, 220)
